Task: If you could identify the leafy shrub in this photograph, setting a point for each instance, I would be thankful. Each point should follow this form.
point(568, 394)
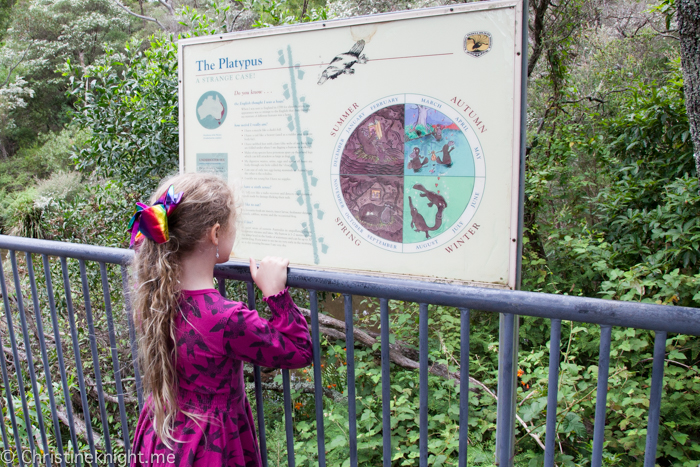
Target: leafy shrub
point(22, 216)
point(60, 186)
point(129, 103)
point(50, 154)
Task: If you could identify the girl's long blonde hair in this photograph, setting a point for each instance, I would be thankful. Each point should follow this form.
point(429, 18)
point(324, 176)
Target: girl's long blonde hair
point(207, 200)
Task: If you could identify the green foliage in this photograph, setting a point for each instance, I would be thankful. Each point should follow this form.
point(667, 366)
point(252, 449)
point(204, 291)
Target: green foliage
point(42, 36)
point(51, 153)
point(23, 215)
point(129, 102)
point(443, 417)
point(611, 211)
point(613, 200)
point(22, 204)
point(283, 12)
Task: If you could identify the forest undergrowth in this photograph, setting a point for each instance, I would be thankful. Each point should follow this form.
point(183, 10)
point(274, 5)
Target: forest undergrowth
point(612, 211)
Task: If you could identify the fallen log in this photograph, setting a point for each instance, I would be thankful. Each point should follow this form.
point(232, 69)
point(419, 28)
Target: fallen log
point(399, 354)
point(81, 429)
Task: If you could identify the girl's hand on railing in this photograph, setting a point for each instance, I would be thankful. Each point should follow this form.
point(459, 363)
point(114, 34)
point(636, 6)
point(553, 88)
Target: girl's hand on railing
point(271, 277)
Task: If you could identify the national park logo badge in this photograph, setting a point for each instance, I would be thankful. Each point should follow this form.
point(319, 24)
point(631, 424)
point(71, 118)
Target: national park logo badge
point(477, 43)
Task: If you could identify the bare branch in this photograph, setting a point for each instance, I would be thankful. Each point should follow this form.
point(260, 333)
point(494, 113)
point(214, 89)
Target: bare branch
point(537, 29)
point(167, 5)
point(233, 23)
point(147, 18)
point(9, 73)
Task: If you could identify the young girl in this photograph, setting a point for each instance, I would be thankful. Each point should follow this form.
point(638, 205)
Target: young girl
point(193, 342)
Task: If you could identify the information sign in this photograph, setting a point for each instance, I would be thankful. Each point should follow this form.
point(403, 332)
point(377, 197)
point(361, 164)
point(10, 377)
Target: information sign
point(386, 144)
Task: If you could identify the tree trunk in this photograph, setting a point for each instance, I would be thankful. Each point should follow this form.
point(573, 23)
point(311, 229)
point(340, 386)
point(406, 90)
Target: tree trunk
point(689, 28)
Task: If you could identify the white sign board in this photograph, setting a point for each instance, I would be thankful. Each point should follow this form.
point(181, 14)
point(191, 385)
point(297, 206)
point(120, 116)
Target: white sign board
point(385, 144)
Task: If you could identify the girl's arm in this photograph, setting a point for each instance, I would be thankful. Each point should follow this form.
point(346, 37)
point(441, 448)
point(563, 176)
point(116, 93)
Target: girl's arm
point(282, 342)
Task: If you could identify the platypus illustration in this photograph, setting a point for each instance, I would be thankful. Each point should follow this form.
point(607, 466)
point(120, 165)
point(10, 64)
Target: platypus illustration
point(416, 163)
point(417, 221)
point(446, 158)
point(377, 213)
point(433, 198)
point(343, 63)
point(437, 132)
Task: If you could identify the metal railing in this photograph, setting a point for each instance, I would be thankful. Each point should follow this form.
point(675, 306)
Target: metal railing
point(658, 318)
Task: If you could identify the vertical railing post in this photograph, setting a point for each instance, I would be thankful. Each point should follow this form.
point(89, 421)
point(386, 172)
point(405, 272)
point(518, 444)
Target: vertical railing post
point(258, 385)
point(59, 354)
point(386, 381)
point(96, 362)
point(38, 322)
point(552, 392)
point(507, 369)
point(30, 363)
point(464, 387)
point(128, 310)
point(601, 398)
point(423, 383)
point(15, 362)
point(115, 356)
point(657, 381)
point(350, 358)
point(509, 324)
point(78, 360)
point(288, 423)
point(318, 378)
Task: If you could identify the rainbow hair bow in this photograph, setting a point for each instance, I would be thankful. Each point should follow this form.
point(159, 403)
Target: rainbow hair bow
point(152, 221)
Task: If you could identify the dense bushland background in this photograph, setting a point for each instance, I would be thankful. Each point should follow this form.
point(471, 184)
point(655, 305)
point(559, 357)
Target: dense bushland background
point(88, 125)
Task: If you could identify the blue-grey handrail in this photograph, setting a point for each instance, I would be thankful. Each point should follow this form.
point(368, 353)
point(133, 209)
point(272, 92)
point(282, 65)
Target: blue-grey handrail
point(649, 316)
point(607, 313)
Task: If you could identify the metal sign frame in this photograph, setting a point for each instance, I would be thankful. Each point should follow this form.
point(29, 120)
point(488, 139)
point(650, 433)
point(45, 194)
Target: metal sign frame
point(518, 118)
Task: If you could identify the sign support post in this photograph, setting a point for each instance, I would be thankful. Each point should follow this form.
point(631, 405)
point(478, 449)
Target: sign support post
point(509, 324)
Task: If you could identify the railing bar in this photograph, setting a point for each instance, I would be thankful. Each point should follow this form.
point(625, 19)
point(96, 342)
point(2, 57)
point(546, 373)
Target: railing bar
point(28, 351)
point(601, 396)
point(96, 361)
point(464, 387)
point(5, 440)
point(221, 285)
point(552, 392)
point(59, 354)
point(132, 335)
point(288, 417)
point(47, 369)
point(423, 383)
point(386, 382)
point(259, 406)
point(78, 360)
point(505, 429)
point(657, 381)
point(350, 359)
point(115, 357)
point(318, 379)
point(5, 377)
point(550, 306)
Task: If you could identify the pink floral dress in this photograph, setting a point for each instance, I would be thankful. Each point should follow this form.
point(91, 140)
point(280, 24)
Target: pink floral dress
point(214, 337)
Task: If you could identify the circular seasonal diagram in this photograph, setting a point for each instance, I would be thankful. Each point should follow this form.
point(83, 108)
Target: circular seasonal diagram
point(408, 173)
